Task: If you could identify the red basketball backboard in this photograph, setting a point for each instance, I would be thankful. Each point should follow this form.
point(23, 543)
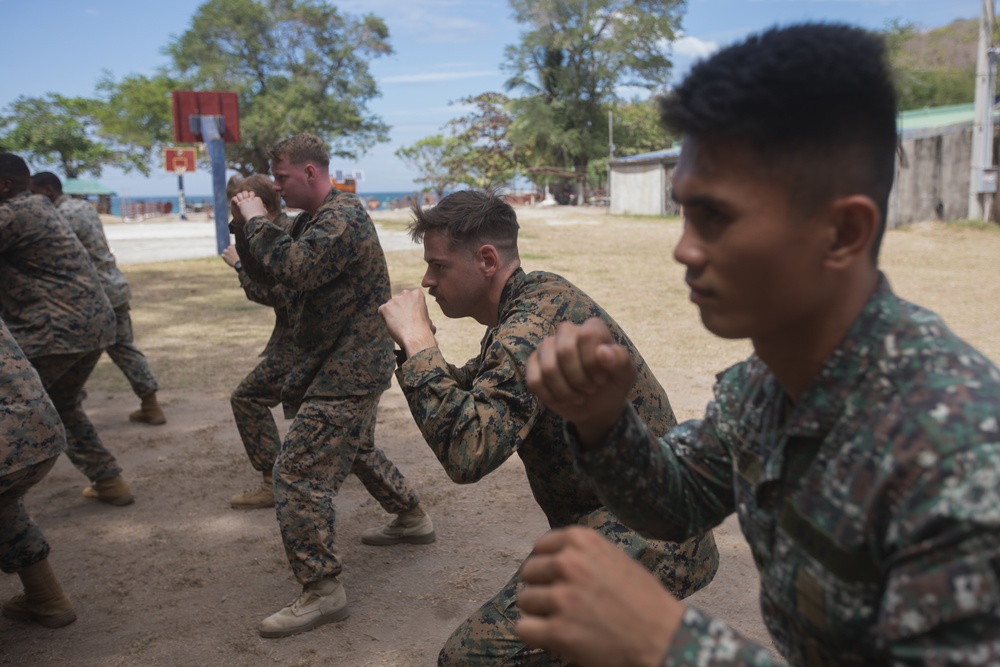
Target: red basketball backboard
point(180, 160)
point(188, 103)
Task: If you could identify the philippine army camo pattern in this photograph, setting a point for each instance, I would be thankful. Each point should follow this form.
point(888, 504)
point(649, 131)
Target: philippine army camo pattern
point(872, 506)
point(475, 417)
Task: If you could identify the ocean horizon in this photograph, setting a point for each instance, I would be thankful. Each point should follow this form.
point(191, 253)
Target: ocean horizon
point(192, 202)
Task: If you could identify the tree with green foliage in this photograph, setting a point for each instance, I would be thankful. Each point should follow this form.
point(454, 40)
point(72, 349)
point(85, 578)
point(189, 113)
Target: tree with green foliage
point(62, 134)
point(482, 153)
point(136, 115)
point(295, 65)
point(936, 67)
point(570, 63)
point(435, 159)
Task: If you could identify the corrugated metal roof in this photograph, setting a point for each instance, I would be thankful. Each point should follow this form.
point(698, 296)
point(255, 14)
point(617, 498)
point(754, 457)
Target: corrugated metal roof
point(910, 124)
point(86, 186)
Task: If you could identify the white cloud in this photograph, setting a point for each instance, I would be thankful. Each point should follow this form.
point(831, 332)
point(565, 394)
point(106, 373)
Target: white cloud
point(433, 77)
point(692, 47)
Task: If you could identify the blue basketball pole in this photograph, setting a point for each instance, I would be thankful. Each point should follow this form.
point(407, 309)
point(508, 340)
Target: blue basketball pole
point(211, 129)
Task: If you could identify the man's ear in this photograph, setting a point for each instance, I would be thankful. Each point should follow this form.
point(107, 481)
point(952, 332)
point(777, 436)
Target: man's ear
point(310, 171)
point(489, 259)
point(854, 224)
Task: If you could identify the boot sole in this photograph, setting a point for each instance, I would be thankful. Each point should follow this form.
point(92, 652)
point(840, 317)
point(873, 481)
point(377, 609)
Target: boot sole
point(406, 539)
point(57, 621)
point(322, 620)
point(152, 422)
point(120, 501)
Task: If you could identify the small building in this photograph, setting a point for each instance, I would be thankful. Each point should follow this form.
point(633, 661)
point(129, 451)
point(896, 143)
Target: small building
point(86, 188)
point(640, 184)
point(932, 177)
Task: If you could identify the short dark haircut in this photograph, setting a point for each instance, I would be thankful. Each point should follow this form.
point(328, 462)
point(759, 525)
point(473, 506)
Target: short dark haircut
point(815, 102)
point(46, 179)
point(470, 218)
point(15, 169)
point(300, 149)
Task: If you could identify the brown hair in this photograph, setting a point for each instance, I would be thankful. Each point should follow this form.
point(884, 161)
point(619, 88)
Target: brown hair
point(260, 185)
point(470, 218)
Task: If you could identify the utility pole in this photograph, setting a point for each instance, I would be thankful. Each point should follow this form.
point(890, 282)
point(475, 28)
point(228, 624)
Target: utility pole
point(983, 175)
point(611, 149)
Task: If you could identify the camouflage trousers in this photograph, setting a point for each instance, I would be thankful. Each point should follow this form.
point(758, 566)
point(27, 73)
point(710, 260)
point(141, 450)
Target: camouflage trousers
point(327, 440)
point(128, 358)
point(252, 401)
point(487, 638)
point(63, 376)
point(21, 540)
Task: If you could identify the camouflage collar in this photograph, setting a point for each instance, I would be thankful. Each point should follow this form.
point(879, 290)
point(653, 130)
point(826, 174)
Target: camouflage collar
point(849, 365)
point(510, 290)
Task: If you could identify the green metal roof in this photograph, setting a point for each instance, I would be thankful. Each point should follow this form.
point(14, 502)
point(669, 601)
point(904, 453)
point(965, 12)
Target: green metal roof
point(918, 119)
point(85, 186)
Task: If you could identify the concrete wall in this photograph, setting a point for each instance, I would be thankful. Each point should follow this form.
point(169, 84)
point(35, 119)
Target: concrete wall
point(932, 179)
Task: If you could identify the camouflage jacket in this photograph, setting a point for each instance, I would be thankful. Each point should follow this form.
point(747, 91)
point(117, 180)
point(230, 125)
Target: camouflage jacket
point(475, 417)
point(334, 271)
point(30, 428)
point(871, 506)
point(51, 295)
point(274, 296)
point(86, 224)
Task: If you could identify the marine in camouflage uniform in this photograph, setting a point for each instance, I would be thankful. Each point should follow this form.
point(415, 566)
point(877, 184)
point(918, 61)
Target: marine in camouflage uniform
point(57, 311)
point(476, 417)
point(872, 507)
point(335, 276)
point(260, 390)
point(86, 224)
point(31, 438)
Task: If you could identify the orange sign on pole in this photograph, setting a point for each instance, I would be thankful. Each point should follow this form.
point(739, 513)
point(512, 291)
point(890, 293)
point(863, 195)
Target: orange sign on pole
point(180, 160)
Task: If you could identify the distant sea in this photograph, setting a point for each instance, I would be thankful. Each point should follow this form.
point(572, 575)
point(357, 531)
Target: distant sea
point(384, 199)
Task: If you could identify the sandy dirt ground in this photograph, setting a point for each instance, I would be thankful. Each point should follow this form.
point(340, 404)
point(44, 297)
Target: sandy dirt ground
point(179, 578)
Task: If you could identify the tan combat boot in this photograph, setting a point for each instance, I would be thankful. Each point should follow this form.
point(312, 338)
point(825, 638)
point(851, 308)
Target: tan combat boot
point(43, 600)
point(322, 602)
point(150, 412)
point(113, 491)
point(255, 499)
point(409, 527)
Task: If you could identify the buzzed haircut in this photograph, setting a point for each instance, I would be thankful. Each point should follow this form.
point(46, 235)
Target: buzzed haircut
point(470, 218)
point(815, 102)
point(300, 149)
point(260, 185)
point(46, 179)
point(15, 169)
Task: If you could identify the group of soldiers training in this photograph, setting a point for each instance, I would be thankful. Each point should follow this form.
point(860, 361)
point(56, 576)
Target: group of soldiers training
point(859, 444)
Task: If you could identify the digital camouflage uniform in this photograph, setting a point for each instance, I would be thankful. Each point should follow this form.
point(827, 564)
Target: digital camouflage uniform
point(871, 506)
point(335, 278)
point(260, 390)
point(86, 224)
point(55, 308)
point(31, 437)
point(476, 417)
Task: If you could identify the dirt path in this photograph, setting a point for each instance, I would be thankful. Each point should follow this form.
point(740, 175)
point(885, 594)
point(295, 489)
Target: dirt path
point(179, 578)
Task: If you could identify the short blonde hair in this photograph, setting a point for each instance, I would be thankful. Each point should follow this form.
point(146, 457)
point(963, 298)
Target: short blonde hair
point(300, 149)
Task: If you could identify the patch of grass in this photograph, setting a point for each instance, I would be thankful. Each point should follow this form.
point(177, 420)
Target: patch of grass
point(979, 225)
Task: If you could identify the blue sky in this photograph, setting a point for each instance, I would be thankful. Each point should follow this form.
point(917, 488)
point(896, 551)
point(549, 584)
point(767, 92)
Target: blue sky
point(444, 50)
